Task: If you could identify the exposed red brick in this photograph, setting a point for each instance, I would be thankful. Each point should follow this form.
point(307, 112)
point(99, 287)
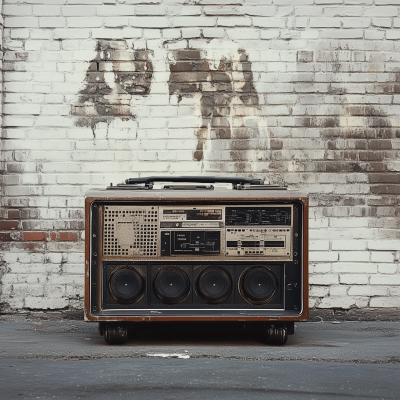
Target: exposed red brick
point(14, 214)
point(385, 189)
point(64, 236)
point(34, 236)
point(5, 237)
point(32, 246)
point(388, 177)
point(8, 225)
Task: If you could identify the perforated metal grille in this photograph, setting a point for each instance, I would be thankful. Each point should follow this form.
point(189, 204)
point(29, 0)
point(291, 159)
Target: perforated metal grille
point(130, 230)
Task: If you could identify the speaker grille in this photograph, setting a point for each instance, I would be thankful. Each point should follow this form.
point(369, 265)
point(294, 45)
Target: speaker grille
point(130, 231)
point(214, 285)
point(171, 285)
point(126, 285)
point(258, 285)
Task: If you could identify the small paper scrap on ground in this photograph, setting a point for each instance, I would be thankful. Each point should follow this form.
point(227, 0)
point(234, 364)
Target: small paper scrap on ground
point(172, 355)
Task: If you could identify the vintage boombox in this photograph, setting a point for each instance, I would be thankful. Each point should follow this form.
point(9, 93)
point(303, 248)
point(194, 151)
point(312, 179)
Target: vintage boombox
point(194, 252)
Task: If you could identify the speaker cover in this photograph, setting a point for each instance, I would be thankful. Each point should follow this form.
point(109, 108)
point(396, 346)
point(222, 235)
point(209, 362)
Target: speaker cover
point(171, 285)
point(214, 285)
point(258, 285)
point(126, 285)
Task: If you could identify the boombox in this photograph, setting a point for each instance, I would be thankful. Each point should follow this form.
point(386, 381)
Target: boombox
point(193, 250)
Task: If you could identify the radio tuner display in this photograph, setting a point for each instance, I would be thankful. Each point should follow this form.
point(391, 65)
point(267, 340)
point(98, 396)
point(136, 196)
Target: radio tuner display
point(258, 216)
point(192, 214)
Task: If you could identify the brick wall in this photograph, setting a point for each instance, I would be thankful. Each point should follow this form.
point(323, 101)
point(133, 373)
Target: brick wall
point(304, 93)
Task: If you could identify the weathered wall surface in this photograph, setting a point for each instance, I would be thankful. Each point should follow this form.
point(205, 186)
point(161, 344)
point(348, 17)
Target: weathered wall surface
point(305, 93)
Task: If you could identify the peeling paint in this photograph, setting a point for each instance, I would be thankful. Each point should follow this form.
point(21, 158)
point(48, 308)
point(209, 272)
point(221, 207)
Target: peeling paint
point(220, 76)
point(114, 76)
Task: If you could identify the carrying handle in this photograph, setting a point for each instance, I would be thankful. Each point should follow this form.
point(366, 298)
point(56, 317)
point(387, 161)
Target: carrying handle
point(197, 179)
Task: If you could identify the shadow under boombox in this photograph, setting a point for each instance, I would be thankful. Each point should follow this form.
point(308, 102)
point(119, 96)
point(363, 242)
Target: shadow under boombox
point(196, 253)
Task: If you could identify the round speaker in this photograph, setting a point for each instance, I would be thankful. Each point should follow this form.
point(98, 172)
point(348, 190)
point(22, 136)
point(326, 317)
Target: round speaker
point(214, 285)
point(258, 285)
point(126, 285)
point(171, 285)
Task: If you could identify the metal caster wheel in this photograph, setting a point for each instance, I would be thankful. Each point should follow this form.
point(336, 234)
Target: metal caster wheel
point(277, 335)
point(115, 333)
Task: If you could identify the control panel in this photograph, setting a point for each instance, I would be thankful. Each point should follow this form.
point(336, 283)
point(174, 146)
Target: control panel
point(242, 231)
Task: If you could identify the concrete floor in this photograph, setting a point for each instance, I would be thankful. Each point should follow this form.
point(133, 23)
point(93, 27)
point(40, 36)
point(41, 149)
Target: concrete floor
point(322, 360)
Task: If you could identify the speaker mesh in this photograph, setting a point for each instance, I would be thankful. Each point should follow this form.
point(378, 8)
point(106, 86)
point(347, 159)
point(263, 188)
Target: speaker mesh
point(214, 285)
point(171, 285)
point(258, 285)
point(126, 285)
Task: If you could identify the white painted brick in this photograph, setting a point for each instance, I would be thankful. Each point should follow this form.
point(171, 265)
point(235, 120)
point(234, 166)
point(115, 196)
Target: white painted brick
point(40, 34)
point(21, 22)
point(367, 290)
point(16, 9)
point(385, 280)
point(388, 11)
point(187, 10)
point(385, 302)
point(342, 34)
point(324, 279)
point(316, 245)
point(356, 22)
point(234, 21)
point(106, 33)
point(128, 32)
point(320, 268)
point(387, 268)
point(117, 10)
point(171, 33)
point(21, 109)
point(191, 22)
point(354, 267)
point(190, 33)
point(236, 34)
point(348, 245)
point(71, 33)
point(52, 22)
point(150, 10)
point(382, 257)
point(263, 11)
point(325, 23)
point(344, 11)
point(17, 121)
point(355, 279)
point(348, 222)
point(20, 34)
point(82, 22)
point(342, 302)
point(151, 22)
point(356, 256)
point(383, 245)
point(338, 290)
point(308, 11)
point(46, 10)
point(319, 291)
point(213, 32)
point(392, 34)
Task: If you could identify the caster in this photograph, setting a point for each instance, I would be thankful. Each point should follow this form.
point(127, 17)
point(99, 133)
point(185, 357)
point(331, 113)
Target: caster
point(115, 333)
point(277, 335)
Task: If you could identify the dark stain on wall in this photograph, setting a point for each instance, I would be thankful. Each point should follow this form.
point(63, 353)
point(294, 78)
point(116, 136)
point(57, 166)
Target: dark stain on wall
point(359, 138)
point(192, 73)
point(115, 75)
